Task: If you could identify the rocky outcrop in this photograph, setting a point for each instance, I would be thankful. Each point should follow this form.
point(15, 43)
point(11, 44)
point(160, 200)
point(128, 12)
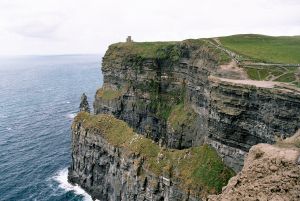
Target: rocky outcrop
point(145, 89)
point(270, 173)
point(84, 105)
point(112, 163)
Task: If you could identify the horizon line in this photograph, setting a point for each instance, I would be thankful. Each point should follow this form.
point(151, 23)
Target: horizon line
point(46, 54)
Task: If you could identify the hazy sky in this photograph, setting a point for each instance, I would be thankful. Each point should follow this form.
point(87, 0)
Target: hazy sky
point(89, 26)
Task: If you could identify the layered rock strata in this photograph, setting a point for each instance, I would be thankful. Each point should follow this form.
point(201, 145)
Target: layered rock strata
point(112, 163)
point(187, 119)
point(231, 115)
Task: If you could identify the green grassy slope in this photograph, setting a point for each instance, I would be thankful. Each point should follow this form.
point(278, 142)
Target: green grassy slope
point(282, 49)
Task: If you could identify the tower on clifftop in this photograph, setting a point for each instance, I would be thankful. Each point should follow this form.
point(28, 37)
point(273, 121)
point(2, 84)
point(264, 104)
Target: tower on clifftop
point(128, 39)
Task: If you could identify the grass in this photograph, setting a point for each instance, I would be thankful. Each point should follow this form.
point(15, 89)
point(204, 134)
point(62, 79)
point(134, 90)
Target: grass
point(199, 169)
point(181, 115)
point(258, 73)
point(253, 73)
point(288, 77)
point(108, 94)
point(161, 103)
point(283, 49)
point(142, 49)
point(170, 51)
point(219, 55)
point(279, 74)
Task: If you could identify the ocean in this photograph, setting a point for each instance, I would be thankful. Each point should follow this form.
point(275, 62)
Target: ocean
point(39, 97)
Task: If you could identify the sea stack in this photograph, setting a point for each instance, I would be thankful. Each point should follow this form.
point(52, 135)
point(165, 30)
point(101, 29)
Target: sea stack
point(84, 104)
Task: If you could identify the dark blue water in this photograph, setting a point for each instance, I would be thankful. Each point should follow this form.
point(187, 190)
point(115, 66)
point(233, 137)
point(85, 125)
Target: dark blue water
point(39, 96)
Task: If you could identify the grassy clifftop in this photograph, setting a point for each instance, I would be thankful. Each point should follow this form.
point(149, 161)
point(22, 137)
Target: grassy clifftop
point(282, 49)
point(169, 50)
point(198, 168)
point(266, 57)
point(142, 49)
point(262, 57)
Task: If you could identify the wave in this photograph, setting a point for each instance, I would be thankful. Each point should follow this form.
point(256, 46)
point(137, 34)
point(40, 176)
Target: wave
point(71, 116)
point(62, 178)
point(3, 116)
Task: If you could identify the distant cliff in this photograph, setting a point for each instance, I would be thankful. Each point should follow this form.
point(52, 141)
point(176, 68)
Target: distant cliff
point(191, 105)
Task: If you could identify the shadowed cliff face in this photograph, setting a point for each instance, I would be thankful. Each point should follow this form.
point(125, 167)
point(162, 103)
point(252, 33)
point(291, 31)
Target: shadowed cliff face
point(170, 93)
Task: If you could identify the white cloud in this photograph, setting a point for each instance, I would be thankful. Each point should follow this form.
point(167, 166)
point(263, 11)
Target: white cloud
point(89, 26)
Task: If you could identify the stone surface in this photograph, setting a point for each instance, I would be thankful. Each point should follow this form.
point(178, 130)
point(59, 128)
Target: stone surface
point(270, 173)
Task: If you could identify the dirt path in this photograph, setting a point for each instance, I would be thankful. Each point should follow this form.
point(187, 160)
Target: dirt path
point(233, 68)
point(264, 84)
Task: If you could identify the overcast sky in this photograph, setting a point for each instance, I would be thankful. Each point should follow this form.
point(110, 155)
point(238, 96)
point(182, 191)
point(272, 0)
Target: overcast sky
point(89, 26)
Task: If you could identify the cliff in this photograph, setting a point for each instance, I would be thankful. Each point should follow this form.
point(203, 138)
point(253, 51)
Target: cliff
point(182, 94)
point(173, 119)
point(111, 162)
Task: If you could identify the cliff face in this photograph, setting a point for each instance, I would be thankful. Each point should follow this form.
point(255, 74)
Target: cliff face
point(176, 98)
point(113, 163)
point(150, 87)
point(243, 114)
point(170, 120)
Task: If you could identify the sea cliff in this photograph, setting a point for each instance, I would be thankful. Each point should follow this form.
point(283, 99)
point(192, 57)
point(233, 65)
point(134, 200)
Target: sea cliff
point(112, 162)
point(189, 115)
point(178, 95)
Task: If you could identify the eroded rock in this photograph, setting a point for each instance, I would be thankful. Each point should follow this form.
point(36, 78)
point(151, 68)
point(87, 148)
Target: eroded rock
point(270, 173)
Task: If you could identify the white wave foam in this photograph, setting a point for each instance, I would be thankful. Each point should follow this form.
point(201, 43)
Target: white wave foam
point(71, 116)
point(8, 128)
point(62, 178)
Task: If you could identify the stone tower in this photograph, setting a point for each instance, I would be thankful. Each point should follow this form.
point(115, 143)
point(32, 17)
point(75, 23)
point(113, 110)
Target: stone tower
point(128, 39)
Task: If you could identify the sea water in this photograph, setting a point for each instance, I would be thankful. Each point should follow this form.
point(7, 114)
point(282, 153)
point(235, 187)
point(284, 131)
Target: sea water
point(39, 97)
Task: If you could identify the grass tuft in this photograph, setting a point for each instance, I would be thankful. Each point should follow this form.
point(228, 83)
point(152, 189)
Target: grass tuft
point(108, 94)
point(181, 115)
